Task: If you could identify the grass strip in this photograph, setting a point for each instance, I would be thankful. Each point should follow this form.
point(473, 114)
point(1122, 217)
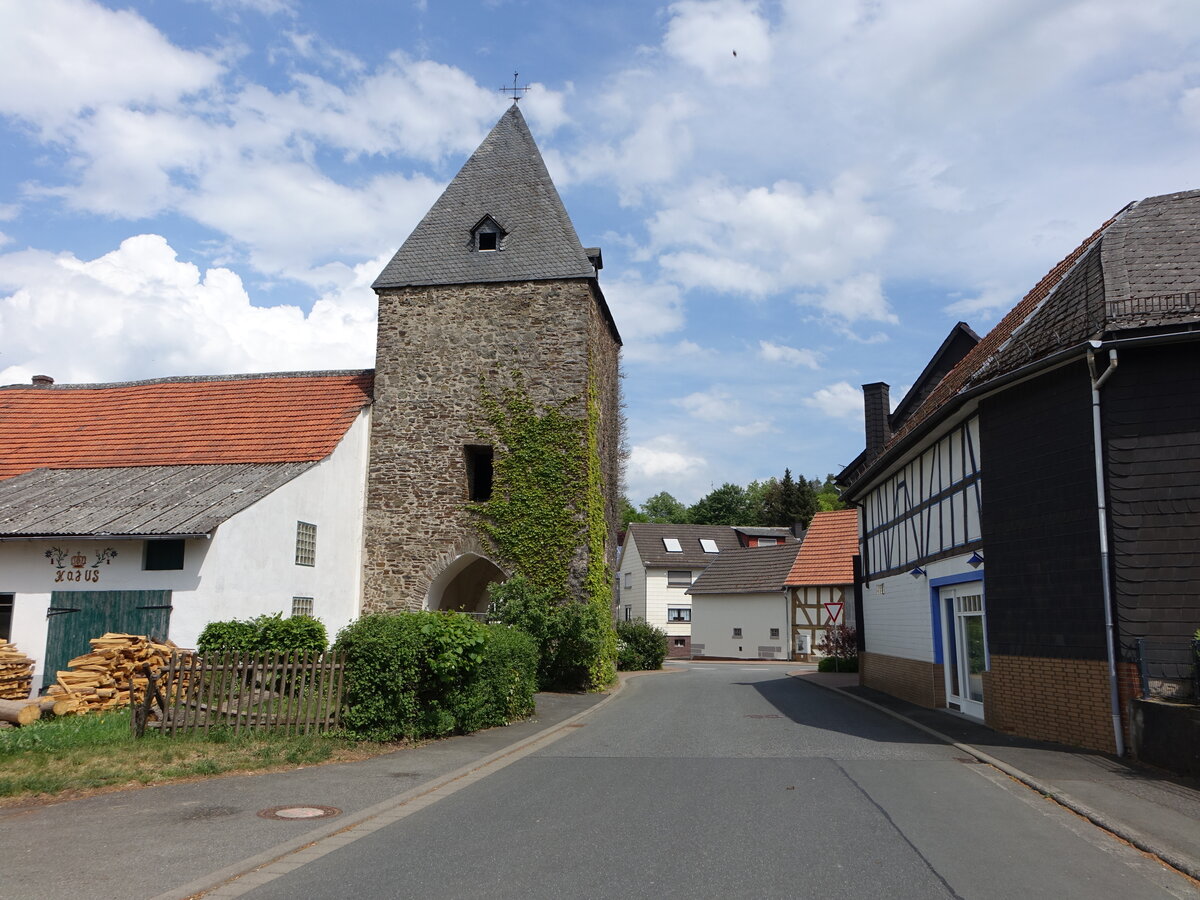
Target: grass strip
point(85, 753)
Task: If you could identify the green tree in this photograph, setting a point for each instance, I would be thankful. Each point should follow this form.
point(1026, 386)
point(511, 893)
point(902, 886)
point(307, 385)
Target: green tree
point(828, 496)
point(629, 513)
point(759, 497)
point(793, 501)
point(664, 509)
point(725, 505)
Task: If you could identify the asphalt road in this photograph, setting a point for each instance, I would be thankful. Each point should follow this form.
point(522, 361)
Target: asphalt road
point(737, 780)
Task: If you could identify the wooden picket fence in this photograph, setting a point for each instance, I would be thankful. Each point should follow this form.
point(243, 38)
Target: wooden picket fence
point(298, 692)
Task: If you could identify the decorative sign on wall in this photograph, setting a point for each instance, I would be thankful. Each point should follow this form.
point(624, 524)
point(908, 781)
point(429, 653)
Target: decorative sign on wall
point(77, 565)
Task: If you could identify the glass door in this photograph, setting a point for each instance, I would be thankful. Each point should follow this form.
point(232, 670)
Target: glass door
point(965, 649)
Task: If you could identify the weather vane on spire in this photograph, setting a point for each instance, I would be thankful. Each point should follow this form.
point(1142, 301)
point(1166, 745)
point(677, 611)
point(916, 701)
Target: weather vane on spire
point(516, 92)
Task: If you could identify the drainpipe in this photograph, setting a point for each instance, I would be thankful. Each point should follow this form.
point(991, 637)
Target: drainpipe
point(1102, 513)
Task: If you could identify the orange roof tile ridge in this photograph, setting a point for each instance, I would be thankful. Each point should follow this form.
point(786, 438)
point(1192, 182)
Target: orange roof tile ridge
point(198, 379)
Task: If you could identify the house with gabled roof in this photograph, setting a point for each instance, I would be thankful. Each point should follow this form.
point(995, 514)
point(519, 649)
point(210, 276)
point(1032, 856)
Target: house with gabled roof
point(740, 604)
point(821, 581)
point(155, 507)
point(659, 562)
point(1031, 519)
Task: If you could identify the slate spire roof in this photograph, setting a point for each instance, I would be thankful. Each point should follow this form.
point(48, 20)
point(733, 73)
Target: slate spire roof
point(505, 179)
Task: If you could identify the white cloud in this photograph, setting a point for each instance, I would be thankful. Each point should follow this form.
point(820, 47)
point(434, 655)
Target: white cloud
point(140, 312)
point(792, 356)
point(858, 297)
point(753, 429)
point(663, 463)
point(762, 240)
point(58, 57)
point(991, 299)
point(839, 401)
point(644, 310)
point(727, 40)
point(716, 405)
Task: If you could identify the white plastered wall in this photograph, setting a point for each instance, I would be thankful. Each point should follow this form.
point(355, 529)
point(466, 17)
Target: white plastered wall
point(714, 616)
point(897, 610)
point(247, 568)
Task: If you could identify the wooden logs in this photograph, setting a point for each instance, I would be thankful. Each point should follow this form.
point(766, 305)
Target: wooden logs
point(20, 712)
point(104, 678)
point(16, 673)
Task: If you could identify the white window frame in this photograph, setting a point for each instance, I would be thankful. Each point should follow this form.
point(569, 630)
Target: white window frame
point(306, 544)
point(678, 581)
point(302, 606)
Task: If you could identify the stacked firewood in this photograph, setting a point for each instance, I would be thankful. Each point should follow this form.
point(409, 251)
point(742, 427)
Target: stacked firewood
point(104, 678)
point(16, 672)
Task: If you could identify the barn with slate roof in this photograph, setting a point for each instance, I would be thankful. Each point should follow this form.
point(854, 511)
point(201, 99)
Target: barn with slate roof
point(1030, 520)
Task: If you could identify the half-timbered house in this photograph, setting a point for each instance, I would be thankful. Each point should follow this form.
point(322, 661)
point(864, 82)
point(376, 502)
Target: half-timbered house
point(1032, 509)
point(821, 580)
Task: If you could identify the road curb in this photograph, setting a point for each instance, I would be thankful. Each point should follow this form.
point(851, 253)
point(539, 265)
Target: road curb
point(1184, 864)
point(231, 873)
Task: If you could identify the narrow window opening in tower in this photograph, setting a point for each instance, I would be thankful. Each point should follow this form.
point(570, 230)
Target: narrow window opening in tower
point(488, 240)
point(479, 472)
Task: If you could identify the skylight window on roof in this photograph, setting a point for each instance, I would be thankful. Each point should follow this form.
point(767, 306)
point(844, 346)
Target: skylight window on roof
point(709, 545)
point(672, 545)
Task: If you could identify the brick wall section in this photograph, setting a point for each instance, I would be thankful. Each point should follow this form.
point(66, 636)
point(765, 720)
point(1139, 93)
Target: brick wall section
point(922, 683)
point(435, 345)
point(1062, 700)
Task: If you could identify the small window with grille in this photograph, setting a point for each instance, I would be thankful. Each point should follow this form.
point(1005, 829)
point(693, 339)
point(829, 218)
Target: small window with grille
point(306, 544)
point(302, 606)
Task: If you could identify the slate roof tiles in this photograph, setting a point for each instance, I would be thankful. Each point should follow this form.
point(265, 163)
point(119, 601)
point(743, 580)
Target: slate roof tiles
point(753, 570)
point(506, 179)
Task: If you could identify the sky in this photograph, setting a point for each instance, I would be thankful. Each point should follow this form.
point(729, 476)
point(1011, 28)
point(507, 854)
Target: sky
point(793, 198)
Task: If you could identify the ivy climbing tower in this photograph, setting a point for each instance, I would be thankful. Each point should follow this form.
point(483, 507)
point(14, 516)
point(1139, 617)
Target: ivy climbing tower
point(495, 429)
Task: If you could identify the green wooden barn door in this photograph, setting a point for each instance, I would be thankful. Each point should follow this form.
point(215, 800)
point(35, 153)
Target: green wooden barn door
point(75, 617)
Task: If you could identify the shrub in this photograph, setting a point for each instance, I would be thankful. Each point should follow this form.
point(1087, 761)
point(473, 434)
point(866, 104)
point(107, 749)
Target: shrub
point(839, 646)
point(640, 646)
point(570, 636)
point(264, 634)
point(835, 664)
point(427, 674)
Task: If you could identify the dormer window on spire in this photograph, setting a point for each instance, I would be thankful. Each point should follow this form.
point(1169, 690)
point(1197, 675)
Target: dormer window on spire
point(487, 235)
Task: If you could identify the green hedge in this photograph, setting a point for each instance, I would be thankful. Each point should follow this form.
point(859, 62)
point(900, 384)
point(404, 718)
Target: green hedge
point(570, 636)
point(834, 664)
point(640, 646)
point(264, 634)
point(427, 674)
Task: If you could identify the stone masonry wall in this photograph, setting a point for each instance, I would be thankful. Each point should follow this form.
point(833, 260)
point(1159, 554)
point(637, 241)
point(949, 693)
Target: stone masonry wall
point(604, 352)
point(435, 344)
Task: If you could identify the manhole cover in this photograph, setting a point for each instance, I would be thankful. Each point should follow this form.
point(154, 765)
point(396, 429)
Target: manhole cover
point(299, 812)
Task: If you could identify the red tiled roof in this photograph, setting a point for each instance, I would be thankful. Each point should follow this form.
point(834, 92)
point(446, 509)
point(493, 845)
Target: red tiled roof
point(294, 417)
point(827, 554)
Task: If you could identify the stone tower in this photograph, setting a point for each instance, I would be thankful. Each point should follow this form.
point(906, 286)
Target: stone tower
point(492, 287)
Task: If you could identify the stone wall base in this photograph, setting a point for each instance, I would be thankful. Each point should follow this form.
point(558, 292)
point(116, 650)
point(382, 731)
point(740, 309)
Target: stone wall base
point(922, 683)
point(1062, 700)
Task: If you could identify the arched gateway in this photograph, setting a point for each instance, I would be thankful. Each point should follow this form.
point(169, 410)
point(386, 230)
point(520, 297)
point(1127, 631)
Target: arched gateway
point(463, 584)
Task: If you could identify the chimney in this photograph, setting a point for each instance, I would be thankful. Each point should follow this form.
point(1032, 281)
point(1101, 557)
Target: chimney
point(876, 409)
point(42, 380)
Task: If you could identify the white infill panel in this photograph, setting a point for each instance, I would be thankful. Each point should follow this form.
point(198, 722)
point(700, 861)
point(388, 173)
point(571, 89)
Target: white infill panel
point(672, 545)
